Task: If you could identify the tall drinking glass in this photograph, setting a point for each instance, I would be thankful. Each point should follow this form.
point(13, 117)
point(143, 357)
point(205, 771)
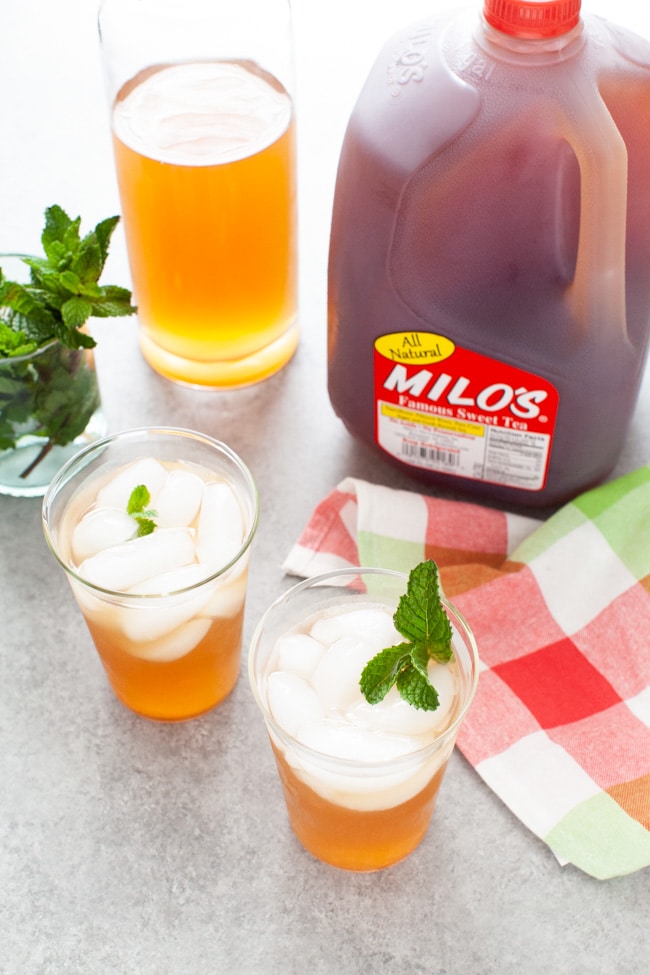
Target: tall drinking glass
point(203, 125)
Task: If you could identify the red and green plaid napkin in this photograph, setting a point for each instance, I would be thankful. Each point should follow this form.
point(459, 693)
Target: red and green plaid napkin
point(560, 726)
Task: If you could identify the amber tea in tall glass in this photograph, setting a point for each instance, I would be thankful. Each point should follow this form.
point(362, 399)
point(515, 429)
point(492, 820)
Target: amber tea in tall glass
point(203, 132)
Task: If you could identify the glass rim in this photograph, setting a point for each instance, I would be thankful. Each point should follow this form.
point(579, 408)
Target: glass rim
point(65, 473)
point(353, 764)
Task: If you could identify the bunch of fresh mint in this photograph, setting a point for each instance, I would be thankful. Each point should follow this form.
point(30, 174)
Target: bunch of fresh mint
point(55, 393)
point(420, 618)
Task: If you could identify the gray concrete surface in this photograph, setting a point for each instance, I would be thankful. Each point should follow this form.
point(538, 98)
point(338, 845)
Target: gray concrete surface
point(136, 848)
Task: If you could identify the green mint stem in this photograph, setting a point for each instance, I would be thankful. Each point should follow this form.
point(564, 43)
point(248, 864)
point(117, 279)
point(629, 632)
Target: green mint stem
point(41, 455)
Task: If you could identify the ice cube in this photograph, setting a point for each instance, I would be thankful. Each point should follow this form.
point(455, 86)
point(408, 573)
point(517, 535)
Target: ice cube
point(342, 740)
point(445, 680)
point(396, 716)
point(298, 653)
point(92, 606)
point(150, 620)
point(226, 598)
point(380, 785)
point(176, 644)
point(116, 492)
point(99, 529)
point(336, 678)
point(124, 566)
point(221, 526)
point(178, 501)
point(374, 625)
point(174, 580)
point(292, 701)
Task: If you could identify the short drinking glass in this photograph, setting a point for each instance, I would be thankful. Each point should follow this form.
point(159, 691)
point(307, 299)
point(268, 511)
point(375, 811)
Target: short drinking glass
point(153, 528)
point(360, 780)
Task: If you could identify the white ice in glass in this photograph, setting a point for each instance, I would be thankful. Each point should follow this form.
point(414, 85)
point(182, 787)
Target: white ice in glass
point(100, 528)
point(220, 527)
point(395, 715)
point(336, 678)
point(199, 529)
point(313, 694)
point(153, 619)
point(295, 699)
point(116, 492)
point(120, 567)
point(341, 740)
point(372, 626)
point(226, 598)
point(179, 499)
point(298, 653)
point(176, 644)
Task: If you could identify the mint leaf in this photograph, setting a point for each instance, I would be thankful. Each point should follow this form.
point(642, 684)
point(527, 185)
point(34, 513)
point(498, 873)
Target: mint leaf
point(145, 526)
point(417, 689)
point(22, 311)
point(52, 396)
point(64, 291)
point(58, 394)
point(138, 499)
point(103, 234)
point(60, 234)
point(137, 507)
point(380, 673)
point(14, 343)
point(16, 401)
point(419, 657)
point(421, 618)
point(66, 394)
point(75, 311)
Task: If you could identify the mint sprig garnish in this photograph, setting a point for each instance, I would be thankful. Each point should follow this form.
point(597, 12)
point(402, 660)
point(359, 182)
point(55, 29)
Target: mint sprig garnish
point(137, 508)
point(55, 393)
point(63, 291)
point(420, 617)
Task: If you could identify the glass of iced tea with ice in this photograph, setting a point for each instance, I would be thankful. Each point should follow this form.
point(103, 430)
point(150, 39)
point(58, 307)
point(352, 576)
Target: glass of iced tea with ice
point(360, 780)
point(154, 528)
point(203, 127)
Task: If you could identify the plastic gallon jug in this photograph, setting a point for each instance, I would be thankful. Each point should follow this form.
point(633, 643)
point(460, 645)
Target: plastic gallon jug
point(489, 273)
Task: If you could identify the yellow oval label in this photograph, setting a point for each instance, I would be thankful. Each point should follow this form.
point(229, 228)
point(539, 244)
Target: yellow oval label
point(420, 347)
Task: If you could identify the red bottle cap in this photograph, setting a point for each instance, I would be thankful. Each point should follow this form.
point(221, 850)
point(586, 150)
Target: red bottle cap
point(532, 19)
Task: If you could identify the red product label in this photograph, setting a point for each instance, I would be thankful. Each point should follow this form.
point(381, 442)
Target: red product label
point(445, 408)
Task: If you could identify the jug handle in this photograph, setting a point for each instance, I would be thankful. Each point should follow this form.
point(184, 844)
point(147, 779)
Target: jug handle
point(597, 292)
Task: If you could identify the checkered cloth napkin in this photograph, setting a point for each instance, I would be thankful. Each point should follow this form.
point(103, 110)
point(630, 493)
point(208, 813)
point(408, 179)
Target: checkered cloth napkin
point(560, 726)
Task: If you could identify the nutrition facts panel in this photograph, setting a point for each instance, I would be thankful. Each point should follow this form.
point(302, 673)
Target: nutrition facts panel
point(514, 458)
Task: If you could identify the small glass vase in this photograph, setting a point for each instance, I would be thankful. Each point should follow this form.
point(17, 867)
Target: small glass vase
point(50, 407)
